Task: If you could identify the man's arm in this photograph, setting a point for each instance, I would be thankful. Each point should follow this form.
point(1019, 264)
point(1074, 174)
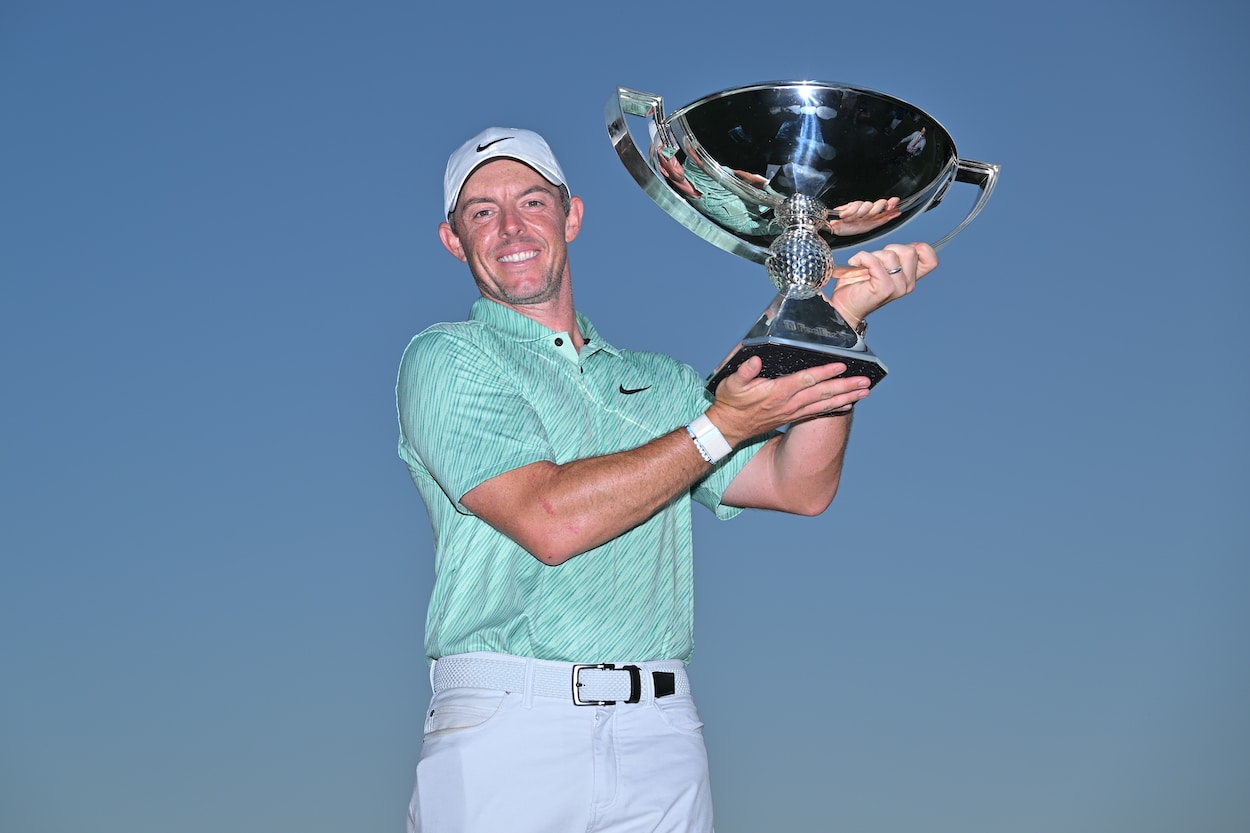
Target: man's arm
point(557, 511)
point(799, 471)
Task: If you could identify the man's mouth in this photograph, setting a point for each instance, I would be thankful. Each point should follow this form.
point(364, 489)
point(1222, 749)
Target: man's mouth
point(518, 257)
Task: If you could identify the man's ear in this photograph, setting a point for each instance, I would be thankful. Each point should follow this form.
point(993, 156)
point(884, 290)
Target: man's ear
point(451, 241)
point(573, 222)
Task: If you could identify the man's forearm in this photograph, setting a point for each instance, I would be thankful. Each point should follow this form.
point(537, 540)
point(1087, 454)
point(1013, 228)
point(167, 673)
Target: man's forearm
point(558, 511)
point(809, 461)
point(798, 471)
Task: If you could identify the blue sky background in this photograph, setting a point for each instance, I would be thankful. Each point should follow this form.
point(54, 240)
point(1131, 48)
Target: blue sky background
point(1027, 611)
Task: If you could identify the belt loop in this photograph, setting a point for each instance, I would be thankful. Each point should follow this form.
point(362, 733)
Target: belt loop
point(663, 683)
point(527, 695)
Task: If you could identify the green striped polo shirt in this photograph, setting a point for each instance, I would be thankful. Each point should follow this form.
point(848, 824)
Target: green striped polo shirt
point(481, 397)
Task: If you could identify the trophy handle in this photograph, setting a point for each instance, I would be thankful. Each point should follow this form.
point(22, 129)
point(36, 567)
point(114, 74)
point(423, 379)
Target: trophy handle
point(982, 174)
point(646, 105)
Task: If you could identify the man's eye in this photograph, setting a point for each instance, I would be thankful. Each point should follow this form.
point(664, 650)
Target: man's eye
point(484, 212)
point(533, 203)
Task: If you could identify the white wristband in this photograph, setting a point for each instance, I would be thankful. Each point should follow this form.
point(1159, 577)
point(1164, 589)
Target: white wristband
point(709, 440)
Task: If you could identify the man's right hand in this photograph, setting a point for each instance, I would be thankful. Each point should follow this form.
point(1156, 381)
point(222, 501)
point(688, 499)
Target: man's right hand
point(748, 405)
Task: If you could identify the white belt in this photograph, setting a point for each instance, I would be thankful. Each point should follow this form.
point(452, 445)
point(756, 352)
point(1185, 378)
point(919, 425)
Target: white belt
point(602, 684)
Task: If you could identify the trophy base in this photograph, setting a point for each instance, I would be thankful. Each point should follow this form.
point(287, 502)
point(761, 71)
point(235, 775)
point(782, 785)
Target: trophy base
point(794, 334)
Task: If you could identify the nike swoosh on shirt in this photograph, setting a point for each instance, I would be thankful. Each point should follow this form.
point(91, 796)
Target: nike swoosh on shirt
point(481, 148)
point(628, 391)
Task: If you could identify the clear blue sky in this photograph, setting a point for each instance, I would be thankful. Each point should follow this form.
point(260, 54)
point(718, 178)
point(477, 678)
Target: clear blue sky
point(1028, 611)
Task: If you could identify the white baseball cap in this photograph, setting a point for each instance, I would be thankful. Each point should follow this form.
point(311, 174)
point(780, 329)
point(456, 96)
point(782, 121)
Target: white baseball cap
point(498, 143)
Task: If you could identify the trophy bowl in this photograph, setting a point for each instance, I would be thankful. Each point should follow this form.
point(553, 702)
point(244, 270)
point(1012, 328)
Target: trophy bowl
point(761, 172)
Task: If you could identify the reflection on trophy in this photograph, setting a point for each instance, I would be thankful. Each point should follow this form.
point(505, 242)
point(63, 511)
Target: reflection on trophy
point(766, 172)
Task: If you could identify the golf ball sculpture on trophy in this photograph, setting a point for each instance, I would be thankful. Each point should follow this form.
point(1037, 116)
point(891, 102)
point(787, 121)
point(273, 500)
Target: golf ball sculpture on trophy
point(762, 171)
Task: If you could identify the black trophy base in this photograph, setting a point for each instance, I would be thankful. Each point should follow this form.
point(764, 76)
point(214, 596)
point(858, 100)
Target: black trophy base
point(795, 334)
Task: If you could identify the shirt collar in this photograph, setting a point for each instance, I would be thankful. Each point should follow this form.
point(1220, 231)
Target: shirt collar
point(522, 328)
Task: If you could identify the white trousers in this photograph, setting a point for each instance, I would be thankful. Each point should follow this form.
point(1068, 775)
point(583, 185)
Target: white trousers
point(528, 760)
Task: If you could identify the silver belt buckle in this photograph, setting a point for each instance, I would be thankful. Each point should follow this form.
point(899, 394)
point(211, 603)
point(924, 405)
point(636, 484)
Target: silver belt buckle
point(635, 683)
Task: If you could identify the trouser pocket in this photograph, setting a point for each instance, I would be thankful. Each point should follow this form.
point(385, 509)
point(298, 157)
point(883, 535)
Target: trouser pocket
point(459, 709)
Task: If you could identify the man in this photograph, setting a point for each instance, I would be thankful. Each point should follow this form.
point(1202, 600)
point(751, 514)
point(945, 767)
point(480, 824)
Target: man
point(914, 143)
point(558, 473)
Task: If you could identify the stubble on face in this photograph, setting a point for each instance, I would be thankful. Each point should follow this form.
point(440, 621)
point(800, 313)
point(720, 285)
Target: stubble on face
point(547, 287)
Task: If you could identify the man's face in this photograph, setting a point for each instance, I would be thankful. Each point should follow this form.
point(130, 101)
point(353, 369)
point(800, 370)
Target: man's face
point(513, 232)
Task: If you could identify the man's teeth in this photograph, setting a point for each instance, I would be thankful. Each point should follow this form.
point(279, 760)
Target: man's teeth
point(517, 258)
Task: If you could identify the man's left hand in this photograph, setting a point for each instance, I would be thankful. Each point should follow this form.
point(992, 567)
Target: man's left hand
point(873, 279)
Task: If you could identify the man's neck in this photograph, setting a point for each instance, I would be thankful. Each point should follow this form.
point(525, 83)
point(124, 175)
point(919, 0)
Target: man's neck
point(558, 315)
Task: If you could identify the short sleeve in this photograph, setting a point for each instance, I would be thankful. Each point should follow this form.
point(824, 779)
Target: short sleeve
point(462, 418)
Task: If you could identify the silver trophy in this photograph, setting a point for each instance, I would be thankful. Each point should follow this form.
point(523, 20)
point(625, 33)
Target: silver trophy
point(761, 172)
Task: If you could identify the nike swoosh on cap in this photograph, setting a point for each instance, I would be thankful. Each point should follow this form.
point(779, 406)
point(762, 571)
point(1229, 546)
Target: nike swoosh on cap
point(628, 391)
point(481, 148)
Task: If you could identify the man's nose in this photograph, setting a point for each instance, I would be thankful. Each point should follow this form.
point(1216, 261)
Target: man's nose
point(510, 221)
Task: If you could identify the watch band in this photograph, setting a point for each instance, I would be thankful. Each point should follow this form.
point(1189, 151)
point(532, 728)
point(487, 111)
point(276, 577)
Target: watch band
point(708, 439)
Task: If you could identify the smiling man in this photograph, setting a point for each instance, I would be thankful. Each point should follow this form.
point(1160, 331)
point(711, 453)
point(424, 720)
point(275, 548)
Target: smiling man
point(559, 474)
